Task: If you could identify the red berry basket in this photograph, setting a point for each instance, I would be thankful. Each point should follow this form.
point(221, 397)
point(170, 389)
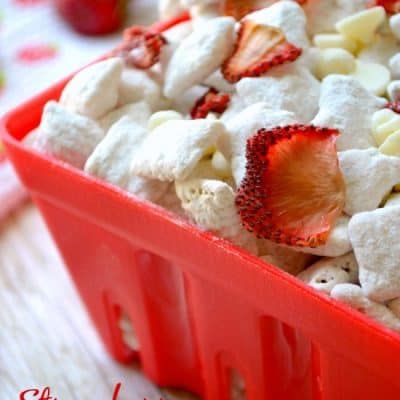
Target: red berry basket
point(201, 307)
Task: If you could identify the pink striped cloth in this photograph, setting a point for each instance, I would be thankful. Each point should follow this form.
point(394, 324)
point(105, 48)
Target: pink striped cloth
point(12, 193)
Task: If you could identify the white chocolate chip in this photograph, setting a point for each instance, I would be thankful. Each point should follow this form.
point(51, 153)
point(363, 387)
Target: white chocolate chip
point(137, 85)
point(391, 145)
point(347, 106)
point(326, 273)
point(67, 136)
point(335, 61)
point(380, 50)
point(93, 92)
point(211, 205)
point(394, 23)
point(385, 122)
point(199, 55)
point(353, 296)
point(374, 77)
point(160, 117)
point(139, 112)
point(289, 87)
point(172, 150)
point(244, 125)
point(221, 165)
point(335, 40)
point(362, 25)
point(369, 176)
point(375, 239)
point(393, 90)
point(287, 16)
point(338, 242)
point(394, 65)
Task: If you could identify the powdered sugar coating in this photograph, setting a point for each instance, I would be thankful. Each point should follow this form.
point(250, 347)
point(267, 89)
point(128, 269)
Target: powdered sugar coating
point(172, 150)
point(290, 87)
point(137, 85)
point(199, 55)
point(94, 90)
point(67, 136)
point(348, 107)
point(374, 236)
point(369, 177)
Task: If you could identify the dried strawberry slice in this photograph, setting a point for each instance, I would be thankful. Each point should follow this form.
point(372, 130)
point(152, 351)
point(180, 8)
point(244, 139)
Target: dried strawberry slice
point(140, 48)
point(394, 106)
point(240, 8)
point(258, 49)
point(390, 6)
point(212, 101)
point(293, 190)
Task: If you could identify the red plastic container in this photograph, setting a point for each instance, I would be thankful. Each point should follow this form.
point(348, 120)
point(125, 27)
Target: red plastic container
point(200, 306)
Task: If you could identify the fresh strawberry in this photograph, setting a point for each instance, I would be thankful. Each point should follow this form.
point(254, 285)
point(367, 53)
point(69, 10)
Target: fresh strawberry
point(35, 52)
point(293, 190)
point(240, 8)
point(92, 17)
point(394, 106)
point(212, 101)
point(391, 6)
point(258, 49)
point(140, 48)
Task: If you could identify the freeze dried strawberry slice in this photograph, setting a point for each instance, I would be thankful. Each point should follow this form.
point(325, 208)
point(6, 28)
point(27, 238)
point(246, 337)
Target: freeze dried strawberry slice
point(258, 49)
point(140, 48)
point(390, 6)
point(240, 8)
point(394, 106)
point(212, 101)
point(293, 190)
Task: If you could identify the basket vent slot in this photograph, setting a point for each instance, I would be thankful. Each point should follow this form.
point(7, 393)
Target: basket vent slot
point(128, 333)
point(237, 385)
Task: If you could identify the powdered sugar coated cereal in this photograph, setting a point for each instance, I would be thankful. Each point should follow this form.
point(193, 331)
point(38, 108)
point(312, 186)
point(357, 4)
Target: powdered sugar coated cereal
point(374, 236)
point(369, 177)
point(199, 55)
point(347, 106)
point(172, 150)
point(67, 136)
point(94, 90)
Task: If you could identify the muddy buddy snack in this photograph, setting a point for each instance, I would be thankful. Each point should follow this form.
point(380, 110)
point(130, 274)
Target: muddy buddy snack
point(274, 125)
